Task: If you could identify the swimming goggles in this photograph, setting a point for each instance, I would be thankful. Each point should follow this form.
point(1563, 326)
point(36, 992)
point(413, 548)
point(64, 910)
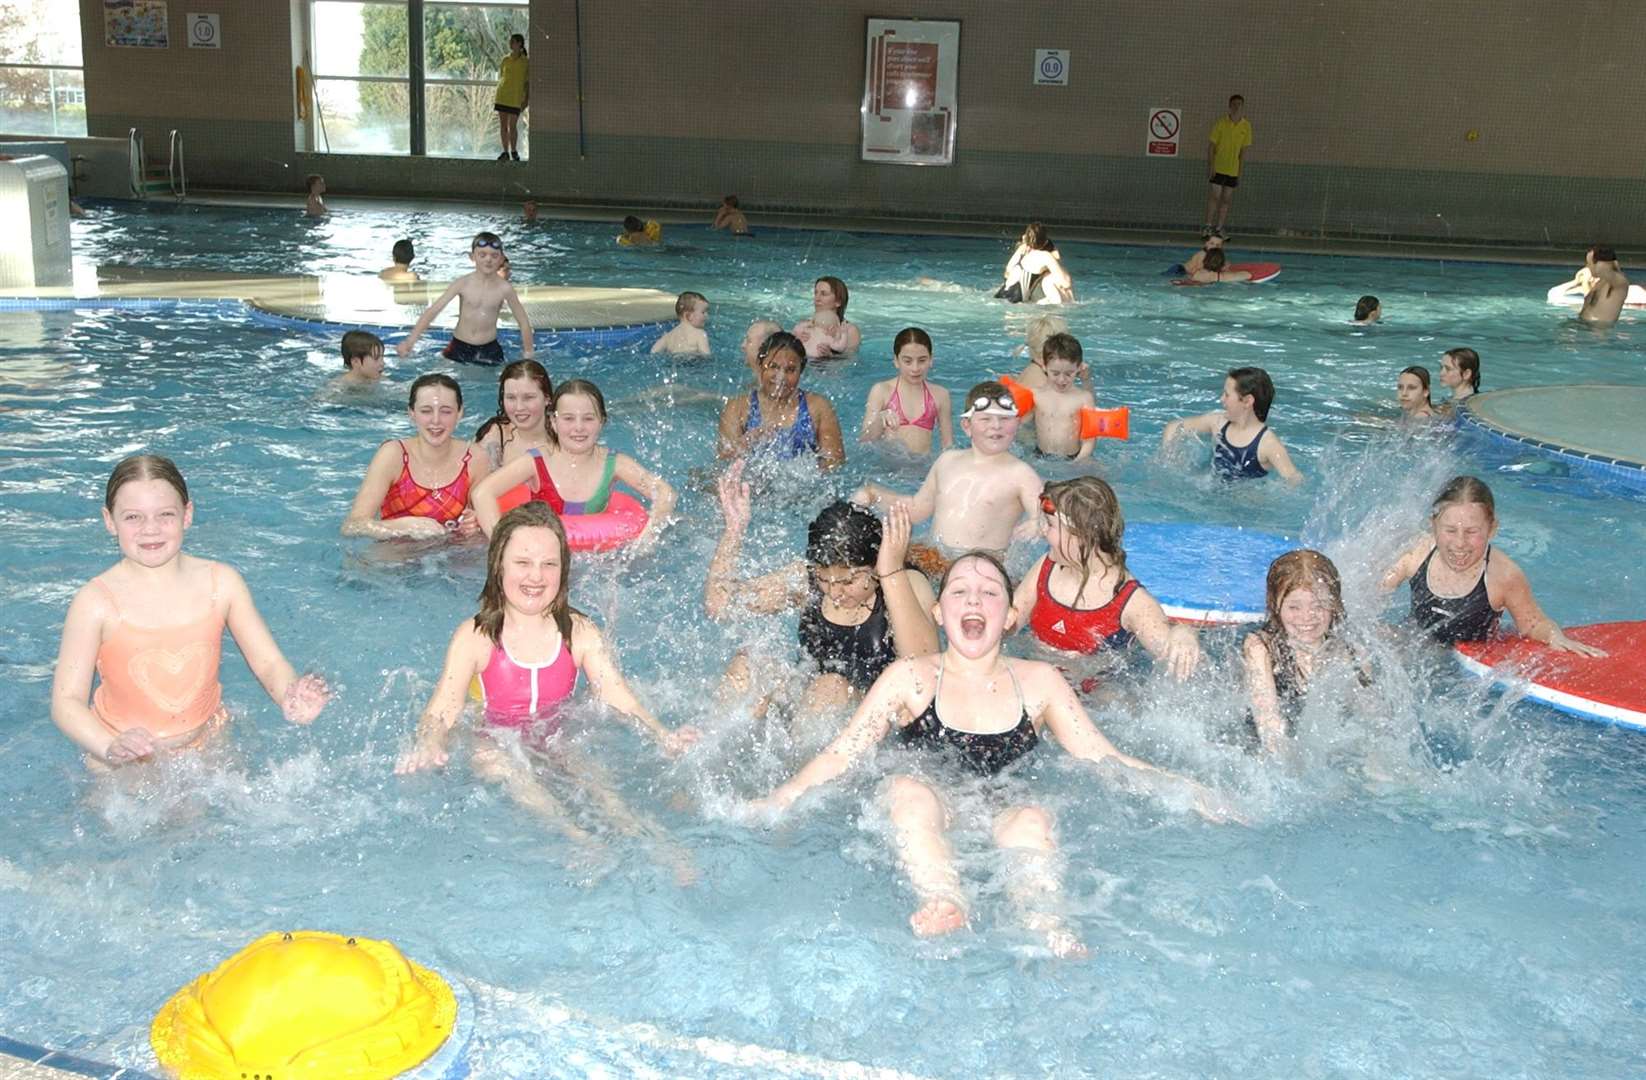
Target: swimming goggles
point(999, 405)
point(495, 245)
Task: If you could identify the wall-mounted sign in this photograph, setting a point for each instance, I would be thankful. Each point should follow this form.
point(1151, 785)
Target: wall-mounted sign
point(1051, 67)
point(1165, 125)
point(908, 108)
point(135, 24)
point(205, 31)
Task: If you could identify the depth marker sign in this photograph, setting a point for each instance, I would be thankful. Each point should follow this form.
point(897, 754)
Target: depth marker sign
point(1164, 127)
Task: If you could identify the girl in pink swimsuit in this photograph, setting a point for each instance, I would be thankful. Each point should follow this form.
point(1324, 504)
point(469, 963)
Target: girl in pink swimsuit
point(888, 413)
point(522, 653)
point(419, 487)
point(157, 678)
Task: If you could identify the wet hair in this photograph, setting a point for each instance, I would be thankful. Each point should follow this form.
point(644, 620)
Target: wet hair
point(489, 619)
point(520, 369)
point(1063, 347)
point(435, 379)
point(1039, 329)
point(1254, 382)
point(1216, 259)
point(633, 224)
point(688, 301)
point(1468, 363)
point(404, 253)
point(1422, 374)
point(489, 239)
point(841, 294)
point(1301, 569)
point(980, 555)
point(911, 334)
point(360, 344)
point(1365, 306)
point(1604, 253)
point(310, 180)
point(1036, 236)
point(584, 387)
point(782, 341)
point(1092, 510)
point(520, 38)
point(843, 535)
point(1463, 491)
point(988, 388)
point(731, 201)
point(144, 467)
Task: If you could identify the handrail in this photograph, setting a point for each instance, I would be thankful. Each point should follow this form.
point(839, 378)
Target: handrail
point(134, 152)
point(175, 170)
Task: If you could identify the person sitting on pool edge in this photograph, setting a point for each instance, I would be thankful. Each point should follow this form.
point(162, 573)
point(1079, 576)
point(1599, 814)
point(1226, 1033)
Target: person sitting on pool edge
point(975, 496)
point(637, 233)
point(481, 296)
point(688, 337)
point(1463, 595)
point(400, 272)
point(1247, 394)
point(778, 419)
point(1368, 310)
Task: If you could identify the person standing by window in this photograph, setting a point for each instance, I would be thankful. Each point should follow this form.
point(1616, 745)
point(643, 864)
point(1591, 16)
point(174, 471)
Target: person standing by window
point(513, 93)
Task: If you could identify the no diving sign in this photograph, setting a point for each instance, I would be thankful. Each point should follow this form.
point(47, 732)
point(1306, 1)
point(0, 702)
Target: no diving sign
point(1164, 127)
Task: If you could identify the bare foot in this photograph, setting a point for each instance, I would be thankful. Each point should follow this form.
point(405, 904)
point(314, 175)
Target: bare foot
point(936, 917)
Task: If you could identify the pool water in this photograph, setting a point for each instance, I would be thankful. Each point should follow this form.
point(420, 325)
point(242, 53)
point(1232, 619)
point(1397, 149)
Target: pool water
point(1445, 882)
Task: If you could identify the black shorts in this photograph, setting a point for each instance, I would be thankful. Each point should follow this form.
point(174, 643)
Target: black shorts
point(466, 352)
point(1225, 180)
point(510, 109)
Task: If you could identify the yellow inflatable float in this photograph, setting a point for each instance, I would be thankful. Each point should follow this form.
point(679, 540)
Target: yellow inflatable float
point(306, 1004)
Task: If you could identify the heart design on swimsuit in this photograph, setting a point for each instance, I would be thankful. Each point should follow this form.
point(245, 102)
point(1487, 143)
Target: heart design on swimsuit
point(171, 678)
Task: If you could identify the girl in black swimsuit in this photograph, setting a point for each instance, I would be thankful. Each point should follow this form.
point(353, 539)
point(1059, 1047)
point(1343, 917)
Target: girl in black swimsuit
point(984, 712)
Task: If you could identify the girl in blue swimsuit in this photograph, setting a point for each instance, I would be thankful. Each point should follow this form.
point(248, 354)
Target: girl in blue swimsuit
point(778, 419)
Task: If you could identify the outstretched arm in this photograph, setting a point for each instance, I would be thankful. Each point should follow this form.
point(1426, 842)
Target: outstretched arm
point(596, 662)
point(868, 725)
point(1272, 454)
point(463, 663)
point(907, 593)
point(920, 505)
point(405, 347)
point(1530, 619)
point(521, 320)
point(1204, 424)
point(1172, 644)
point(300, 697)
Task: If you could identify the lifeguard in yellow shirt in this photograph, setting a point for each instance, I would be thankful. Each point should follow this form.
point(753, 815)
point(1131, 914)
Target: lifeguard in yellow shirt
point(1230, 137)
point(513, 93)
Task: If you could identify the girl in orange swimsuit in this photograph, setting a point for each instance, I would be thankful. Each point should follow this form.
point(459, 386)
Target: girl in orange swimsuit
point(419, 487)
point(157, 684)
point(889, 413)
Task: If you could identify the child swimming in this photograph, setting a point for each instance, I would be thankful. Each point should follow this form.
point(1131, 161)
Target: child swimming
point(1057, 404)
point(1460, 373)
point(522, 420)
point(1247, 395)
point(778, 419)
point(993, 715)
point(392, 500)
point(1368, 310)
point(399, 271)
point(1412, 392)
point(1301, 633)
point(362, 361)
point(315, 205)
point(1462, 596)
point(637, 233)
point(158, 687)
point(575, 475)
point(975, 497)
point(480, 298)
point(687, 338)
point(1038, 329)
point(1062, 597)
point(886, 414)
point(524, 650)
point(860, 607)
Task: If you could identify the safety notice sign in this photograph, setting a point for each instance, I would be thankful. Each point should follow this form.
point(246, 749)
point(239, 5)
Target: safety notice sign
point(1164, 127)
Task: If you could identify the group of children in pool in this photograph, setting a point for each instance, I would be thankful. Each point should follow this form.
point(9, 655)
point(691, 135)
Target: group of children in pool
point(869, 618)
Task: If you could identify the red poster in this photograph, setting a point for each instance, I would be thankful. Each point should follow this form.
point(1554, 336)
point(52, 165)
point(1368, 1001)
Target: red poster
point(911, 75)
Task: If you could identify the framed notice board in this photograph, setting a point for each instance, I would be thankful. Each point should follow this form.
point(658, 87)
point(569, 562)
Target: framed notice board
point(909, 91)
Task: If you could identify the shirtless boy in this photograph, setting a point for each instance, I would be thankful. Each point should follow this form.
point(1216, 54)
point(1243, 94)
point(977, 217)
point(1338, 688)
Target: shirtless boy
point(401, 271)
point(1604, 302)
point(362, 361)
point(980, 497)
point(316, 204)
point(481, 296)
point(1057, 405)
point(688, 338)
point(730, 217)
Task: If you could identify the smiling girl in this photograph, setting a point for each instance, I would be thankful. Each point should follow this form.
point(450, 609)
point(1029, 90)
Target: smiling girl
point(889, 412)
point(158, 687)
point(522, 420)
point(778, 419)
point(420, 487)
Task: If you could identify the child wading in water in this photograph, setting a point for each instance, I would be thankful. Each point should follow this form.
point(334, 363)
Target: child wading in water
point(1080, 597)
point(1243, 446)
point(522, 653)
point(1304, 604)
point(522, 421)
point(890, 412)
point(392, 501)
point(159, 689)
point(481, 296)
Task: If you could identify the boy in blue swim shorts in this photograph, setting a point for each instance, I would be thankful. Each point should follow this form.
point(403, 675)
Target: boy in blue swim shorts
point(481, 296)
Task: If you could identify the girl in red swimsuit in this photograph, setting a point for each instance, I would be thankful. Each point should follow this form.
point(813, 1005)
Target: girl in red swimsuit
point(890, 412)
point(420, 486)
point(1079, 597)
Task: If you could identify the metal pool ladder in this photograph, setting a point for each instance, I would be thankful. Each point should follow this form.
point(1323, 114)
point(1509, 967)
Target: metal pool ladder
point(148, 178)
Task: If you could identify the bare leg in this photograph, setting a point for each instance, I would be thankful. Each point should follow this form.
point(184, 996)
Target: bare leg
point(511, 132)
point(1223, 207)
point(1212, 201)
point(1027, 832)
point(919, 820)
point(493, 764)
point(595, 784)
point(503, 131)
point(738, 680)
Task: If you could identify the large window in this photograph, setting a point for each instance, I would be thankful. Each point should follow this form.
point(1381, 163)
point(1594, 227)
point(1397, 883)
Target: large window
point(370, 98)
point(42, 82)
